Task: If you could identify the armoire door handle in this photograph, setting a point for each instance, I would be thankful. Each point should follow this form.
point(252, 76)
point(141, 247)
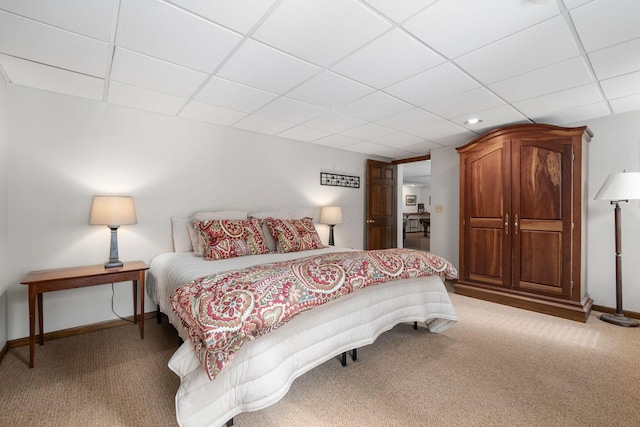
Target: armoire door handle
point(506, 224)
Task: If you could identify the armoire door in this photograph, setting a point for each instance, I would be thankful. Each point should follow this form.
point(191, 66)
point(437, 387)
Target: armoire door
point(541, 215)
point(486, 219)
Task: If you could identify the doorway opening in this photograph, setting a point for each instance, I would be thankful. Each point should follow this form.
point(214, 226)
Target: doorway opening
point(415, 200)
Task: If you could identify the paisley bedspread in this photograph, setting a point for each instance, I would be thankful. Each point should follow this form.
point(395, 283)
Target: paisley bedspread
point(225, 310)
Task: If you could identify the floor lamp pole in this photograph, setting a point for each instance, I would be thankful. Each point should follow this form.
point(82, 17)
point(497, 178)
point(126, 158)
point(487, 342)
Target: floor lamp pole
point(618, 318)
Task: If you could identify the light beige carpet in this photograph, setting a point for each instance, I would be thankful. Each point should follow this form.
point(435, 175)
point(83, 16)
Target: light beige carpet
point(498, 366)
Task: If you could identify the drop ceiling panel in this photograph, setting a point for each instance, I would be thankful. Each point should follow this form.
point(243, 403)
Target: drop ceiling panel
point(536, 47)
point(390, 58)
point(399, 140)
point(622, 86)
point(378, 150)
point(262, 67)
point(559, 101)
point(603, 23)
point(89, 18)
point(375, 106)
point(161, 30)
point(401, 75)
point(437, 83)
point(438, 130)
point(290, 110)
point(239, 15)
point(144, 99)
point(419, 148)
point(32, 74)
point(464, 103)
point(228, 94)
point(262, 125)
point(153, 74)
point(211, 114)
point(368, 131)
point(333, 27)
point(492, 118)
point(573, 115)
point(337, 141)
point(27, 39)
point(329, 90)
point(334, 122)
point(408, 119)
point(398, 11)
point(556, 77)
point(303, 133)
point(456, 27)
point(616, 60)
point(628, 103)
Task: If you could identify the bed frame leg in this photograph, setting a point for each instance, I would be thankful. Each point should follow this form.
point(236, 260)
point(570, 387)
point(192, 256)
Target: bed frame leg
point(354, 354)
point(158, 315)
point(415, 325)
point(343, 359)
point(230, 422)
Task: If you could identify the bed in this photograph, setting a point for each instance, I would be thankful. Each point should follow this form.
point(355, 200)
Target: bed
point(262, 371)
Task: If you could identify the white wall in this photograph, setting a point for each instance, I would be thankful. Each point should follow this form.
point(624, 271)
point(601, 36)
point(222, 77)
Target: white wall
point(4, 143)
point(615, 146)
point(445, 193)
point(63, 150)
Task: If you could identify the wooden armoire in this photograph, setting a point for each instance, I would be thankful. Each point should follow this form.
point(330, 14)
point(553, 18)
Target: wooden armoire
point(523, 218)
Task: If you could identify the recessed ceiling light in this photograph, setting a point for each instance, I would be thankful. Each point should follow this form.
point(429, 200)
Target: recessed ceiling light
point(473, 121)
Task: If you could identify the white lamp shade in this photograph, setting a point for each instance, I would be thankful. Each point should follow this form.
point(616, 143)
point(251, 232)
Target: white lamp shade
point(620, 186)
point(331, 215)
point(112, 210)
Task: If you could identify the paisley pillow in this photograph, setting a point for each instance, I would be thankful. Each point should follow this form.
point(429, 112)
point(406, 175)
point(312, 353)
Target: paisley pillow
point(294, 235)
point(227, 238)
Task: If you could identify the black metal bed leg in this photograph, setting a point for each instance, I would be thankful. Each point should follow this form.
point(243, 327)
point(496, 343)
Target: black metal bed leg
point(230, 422)
point(415, 325)
point(343, 359)
point(158, 315)
point(354, 354)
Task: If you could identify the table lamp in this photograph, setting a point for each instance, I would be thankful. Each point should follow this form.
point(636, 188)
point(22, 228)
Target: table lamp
point(113, 211)
point(331, 215)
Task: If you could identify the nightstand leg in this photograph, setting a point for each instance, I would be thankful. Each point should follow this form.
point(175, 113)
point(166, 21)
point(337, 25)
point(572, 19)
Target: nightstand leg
point(32, 324)
point(40, 319)
point(141, 305)
point(135, 301)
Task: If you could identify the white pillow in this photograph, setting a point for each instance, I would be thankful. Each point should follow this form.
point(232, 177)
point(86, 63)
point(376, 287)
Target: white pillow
point(181, 235)
point(197, 241)
point(268, 238)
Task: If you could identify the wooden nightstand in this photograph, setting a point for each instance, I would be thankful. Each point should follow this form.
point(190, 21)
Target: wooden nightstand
point(79, 277)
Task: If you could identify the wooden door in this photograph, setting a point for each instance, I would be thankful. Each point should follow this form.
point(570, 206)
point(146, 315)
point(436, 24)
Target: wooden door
point(542, 217)
point(381, 205)
point(485, 248)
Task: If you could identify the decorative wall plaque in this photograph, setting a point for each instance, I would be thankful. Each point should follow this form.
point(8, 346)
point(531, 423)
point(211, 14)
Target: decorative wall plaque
point(336, 180)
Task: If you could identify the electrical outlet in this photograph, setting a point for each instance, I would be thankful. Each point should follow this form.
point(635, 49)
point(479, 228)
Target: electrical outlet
point(439, 208)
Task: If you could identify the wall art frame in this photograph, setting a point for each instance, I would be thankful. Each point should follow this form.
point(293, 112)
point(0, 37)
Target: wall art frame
point(337, 180)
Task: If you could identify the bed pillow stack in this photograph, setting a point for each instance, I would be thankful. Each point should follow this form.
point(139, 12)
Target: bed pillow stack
point(227, 234)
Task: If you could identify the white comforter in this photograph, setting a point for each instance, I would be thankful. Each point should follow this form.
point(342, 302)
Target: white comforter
point(263, 370)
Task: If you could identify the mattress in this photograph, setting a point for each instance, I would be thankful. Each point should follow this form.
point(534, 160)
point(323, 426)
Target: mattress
point(263, 370)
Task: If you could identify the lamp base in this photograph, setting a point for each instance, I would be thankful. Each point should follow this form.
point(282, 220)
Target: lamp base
point(619, 319)
point(112, 264)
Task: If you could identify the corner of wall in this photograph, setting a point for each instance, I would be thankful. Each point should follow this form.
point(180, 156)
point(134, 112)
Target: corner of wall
point(4, 146)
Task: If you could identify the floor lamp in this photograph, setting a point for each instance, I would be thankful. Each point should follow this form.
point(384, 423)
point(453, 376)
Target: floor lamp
point(617, 188)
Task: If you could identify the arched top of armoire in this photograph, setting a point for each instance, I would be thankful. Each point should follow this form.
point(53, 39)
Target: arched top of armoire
point(528, 130)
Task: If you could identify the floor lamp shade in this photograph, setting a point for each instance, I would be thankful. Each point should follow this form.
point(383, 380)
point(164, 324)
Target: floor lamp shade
point(619, 187)
point(113, 211)
point(331, 215)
